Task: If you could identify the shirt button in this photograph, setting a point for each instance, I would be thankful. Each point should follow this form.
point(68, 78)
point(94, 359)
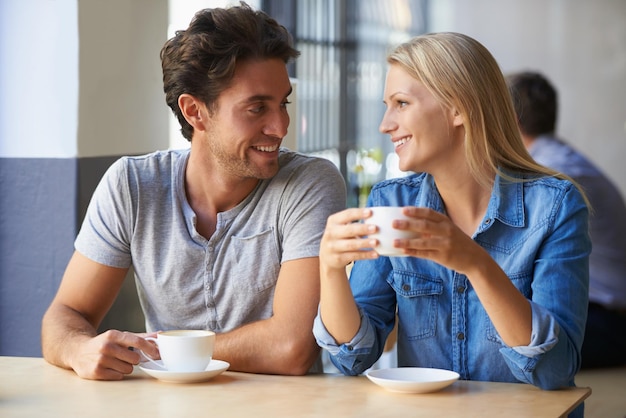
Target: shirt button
point(349, 348)
point(460, 289)
point(406, 287)
point(460, 336)
point(487, 221)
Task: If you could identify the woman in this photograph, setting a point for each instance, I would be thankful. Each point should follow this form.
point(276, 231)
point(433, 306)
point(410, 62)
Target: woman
point(495, 287)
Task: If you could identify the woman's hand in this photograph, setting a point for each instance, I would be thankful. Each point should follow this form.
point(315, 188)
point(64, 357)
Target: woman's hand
point(343, 243)
point(345, 239)
point(438, 239)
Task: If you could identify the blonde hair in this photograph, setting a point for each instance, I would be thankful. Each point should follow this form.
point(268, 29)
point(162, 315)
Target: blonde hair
point(462, 74)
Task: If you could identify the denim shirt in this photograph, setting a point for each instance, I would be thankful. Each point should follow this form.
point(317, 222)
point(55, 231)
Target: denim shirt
point(537, 231)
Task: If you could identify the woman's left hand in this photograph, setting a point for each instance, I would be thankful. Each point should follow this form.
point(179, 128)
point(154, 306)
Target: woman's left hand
point(438, 239)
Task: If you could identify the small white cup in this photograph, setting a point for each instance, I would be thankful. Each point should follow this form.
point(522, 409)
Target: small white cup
point(383, 217)
point(184, 350)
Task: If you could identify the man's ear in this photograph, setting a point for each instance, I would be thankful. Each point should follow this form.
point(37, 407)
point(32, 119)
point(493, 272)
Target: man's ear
point(193, 110)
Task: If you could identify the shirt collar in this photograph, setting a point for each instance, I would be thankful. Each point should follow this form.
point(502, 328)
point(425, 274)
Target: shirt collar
point(507, 201)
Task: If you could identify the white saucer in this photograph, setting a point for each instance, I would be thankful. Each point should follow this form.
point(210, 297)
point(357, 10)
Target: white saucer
point(214, 368)
point(413, 379)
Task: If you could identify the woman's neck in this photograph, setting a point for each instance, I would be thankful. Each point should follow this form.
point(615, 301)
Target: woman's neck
point(465, 200)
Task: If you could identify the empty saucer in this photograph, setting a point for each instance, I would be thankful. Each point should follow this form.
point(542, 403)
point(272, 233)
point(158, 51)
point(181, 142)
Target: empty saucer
point(413, 379)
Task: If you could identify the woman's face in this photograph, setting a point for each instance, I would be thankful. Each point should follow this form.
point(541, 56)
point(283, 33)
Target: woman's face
point(426, 136)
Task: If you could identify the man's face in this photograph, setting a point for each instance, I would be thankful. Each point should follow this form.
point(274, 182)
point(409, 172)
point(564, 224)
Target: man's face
point(245, 130)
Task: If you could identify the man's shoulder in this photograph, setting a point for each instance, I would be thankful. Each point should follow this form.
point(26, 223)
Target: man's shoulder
point(157, 163)
point(288, 157)
point(561, 156)
point(156, 158)
point(308, 174)
point(148, 170)
point(295, 162)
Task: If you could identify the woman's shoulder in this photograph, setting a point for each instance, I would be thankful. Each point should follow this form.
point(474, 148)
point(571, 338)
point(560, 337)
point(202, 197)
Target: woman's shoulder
point(548, 183)
point(411, 181)
point(411, 190)
point(554, 192)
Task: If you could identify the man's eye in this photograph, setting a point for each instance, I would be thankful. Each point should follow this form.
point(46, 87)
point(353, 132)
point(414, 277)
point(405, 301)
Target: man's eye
point(285, 103)
point(257, 109)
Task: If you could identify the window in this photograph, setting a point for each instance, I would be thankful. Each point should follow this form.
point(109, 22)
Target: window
point(341, 75)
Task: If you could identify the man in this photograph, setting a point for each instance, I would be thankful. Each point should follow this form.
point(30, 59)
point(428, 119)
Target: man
point(224, 236)
point(536, 104)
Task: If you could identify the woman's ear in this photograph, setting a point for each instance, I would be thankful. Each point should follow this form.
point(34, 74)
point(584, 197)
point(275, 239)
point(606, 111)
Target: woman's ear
point(457, 118)
point(193, 111)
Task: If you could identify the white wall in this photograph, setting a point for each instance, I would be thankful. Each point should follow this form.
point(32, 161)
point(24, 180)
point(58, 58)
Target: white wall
point(122, 106)
point(38, 78)
point(580, 45)
point(65, 98)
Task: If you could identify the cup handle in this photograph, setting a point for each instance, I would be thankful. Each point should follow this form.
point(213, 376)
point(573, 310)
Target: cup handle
point(145, 357)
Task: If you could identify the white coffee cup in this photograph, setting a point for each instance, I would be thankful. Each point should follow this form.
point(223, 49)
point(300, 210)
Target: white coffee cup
point(184, 350)
point(383, 217)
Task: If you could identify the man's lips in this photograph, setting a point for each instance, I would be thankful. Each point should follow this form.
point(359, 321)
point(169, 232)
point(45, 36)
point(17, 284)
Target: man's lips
point(266, 148)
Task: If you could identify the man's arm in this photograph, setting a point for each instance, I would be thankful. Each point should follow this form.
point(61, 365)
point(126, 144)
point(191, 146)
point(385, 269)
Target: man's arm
point(69, 327)
point(284, 343)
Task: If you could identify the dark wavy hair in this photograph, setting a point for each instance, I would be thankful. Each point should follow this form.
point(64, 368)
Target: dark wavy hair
point(201, 60)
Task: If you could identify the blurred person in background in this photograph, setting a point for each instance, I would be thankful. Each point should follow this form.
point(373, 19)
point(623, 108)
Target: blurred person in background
point(536, 103)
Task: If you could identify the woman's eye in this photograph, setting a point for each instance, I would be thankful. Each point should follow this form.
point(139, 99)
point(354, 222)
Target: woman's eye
point(402, 103)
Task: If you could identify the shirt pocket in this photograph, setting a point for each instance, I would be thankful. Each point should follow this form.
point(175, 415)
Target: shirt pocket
point(257, 260)
point(418, 299)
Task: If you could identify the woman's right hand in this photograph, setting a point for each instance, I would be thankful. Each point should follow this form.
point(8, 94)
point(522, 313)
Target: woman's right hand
point(342, 243)
point(345, 239)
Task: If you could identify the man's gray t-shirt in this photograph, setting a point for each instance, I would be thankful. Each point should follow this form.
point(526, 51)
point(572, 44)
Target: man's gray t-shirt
point(139, 215)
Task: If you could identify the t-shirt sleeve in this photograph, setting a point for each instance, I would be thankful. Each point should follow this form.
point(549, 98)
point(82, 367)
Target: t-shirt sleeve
point(104, 236)
point(314, 191)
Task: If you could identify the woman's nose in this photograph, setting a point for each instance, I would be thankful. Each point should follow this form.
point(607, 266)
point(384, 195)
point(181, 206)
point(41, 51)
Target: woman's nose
point(386, 124)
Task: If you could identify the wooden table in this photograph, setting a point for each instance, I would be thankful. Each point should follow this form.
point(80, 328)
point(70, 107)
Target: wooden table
point(30, 387)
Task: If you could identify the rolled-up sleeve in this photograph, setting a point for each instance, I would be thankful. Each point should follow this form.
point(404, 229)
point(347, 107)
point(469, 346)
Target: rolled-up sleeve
point(559, 301)
point(346, 357)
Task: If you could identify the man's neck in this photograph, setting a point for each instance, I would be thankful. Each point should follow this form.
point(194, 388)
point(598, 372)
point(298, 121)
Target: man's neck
point(528, 140)
point(210, 191)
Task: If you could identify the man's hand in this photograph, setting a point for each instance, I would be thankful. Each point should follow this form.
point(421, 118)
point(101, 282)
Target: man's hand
point(110, 355)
